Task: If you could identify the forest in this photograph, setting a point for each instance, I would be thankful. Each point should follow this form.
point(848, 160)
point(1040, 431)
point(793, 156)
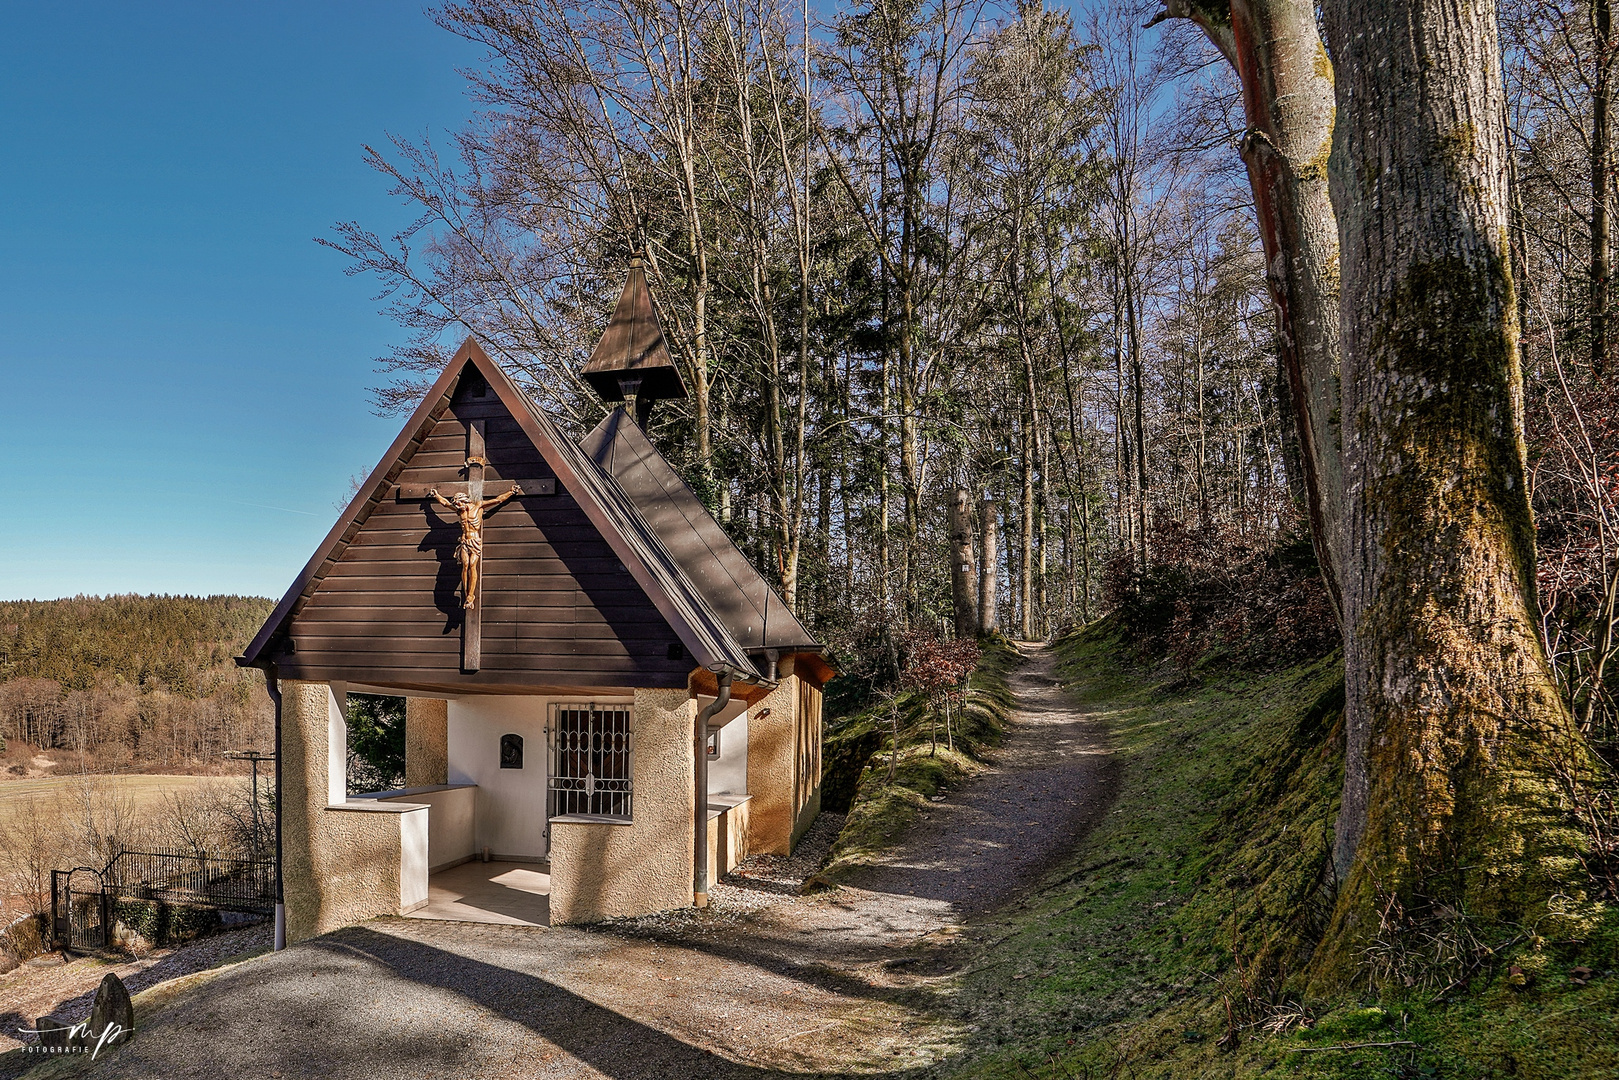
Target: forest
point(1195, 314)
point(929, 246)
point(131, 682)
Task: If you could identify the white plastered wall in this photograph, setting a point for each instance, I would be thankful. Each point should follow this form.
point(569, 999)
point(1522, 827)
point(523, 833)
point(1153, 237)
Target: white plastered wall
point(728, 773)
point(337, 745)
point(413, 859)
point(511, 807)
point(509, 815)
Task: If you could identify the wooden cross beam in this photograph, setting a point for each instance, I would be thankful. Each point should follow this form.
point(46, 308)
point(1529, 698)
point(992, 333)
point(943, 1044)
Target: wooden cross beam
point(418, 492)
point(468, 501)
point(472, 617)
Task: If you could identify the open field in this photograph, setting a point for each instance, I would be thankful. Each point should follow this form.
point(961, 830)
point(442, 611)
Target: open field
point(59, 822)
point(145, 792)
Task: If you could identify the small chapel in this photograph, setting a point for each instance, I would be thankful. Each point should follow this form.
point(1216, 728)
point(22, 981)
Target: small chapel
point(606, 705)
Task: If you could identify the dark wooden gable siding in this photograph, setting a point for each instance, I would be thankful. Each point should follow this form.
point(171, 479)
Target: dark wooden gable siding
point(559, 609)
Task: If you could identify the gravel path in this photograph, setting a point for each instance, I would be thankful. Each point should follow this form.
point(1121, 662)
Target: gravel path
point(766, 983)
point(1050, 782)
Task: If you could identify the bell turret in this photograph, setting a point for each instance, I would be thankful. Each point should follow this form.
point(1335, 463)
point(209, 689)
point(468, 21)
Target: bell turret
point(631, 362)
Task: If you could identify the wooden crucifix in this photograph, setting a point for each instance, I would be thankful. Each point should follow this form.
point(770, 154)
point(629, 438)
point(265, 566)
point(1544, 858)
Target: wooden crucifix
point(471, 500)
point(470, 506)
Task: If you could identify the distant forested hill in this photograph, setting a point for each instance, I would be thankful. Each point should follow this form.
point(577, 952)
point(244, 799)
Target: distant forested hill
point(180, 641)
point(132, 681)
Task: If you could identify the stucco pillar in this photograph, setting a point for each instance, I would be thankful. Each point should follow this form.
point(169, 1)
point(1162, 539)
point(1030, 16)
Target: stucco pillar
point(602, 870)
point(427, 742)
point(304, 767)
point(773, 766)
point(342, 861)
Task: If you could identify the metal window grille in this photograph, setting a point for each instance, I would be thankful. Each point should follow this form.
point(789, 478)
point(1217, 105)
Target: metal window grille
point(592, 759)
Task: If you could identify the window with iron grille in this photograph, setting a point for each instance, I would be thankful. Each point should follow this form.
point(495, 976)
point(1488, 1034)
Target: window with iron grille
point(592, 759)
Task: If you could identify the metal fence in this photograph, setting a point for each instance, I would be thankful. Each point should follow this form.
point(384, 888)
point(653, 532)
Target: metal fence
point(80, 908)
point(592, 755)
point(184, 877)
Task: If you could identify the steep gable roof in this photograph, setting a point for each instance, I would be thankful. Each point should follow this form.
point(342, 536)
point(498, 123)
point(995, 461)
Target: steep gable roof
point(608, 508)
point(752, 611)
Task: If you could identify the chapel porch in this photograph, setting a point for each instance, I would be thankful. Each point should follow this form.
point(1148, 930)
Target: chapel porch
point(490, 761)
point(505, 893)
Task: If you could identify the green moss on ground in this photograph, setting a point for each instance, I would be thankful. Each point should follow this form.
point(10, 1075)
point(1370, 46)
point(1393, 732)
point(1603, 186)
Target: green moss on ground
point(1176, 942)
point(859, 749)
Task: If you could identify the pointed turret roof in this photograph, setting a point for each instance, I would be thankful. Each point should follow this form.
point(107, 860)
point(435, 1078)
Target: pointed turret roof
point(633, 346)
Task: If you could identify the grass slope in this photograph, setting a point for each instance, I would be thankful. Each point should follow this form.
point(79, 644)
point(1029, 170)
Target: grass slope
point(147, 1003)
point(860, 748)
point(1174, 944)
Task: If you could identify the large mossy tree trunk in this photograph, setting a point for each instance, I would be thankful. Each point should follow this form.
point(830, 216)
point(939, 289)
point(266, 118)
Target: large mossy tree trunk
point(1276, 50)
point(1455, 730)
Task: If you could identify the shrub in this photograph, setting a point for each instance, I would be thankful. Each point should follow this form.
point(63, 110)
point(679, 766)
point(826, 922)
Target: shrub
point(1259, 600)
point(25, 938)
point(376, 743)
point(167, 924)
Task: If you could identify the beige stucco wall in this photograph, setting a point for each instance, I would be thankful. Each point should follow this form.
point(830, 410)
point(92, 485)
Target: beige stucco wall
point(601, 870)
point(449, 822)
point(807, 797)
point(738, 835)
point(427, 742)
point(727, 837)
point(770, 768)
point(786, 794)
point(342, 862)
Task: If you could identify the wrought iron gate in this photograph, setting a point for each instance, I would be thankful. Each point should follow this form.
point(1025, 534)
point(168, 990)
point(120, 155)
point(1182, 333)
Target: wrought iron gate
point(84, 901)
point(81, 908)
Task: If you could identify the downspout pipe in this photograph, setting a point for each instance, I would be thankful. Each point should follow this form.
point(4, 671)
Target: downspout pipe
point(273, 684)
point(699, 887)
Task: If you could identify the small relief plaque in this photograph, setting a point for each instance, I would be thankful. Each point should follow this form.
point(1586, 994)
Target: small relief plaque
point(511, 751)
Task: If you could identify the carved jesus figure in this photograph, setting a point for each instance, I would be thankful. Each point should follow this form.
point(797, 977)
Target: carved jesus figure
point(469, 552)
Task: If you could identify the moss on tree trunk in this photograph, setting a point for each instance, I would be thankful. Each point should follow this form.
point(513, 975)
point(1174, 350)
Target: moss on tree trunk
point(1456, 735)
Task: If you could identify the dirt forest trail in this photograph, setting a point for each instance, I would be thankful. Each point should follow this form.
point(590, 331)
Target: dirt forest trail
point(854, 980)
point(1050, 781)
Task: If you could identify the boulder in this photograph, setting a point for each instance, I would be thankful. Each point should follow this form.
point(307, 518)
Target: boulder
point(53, 1032)
point(112, 1006)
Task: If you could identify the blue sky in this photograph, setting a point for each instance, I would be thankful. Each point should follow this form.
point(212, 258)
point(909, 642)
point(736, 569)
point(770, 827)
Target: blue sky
point(185, 369)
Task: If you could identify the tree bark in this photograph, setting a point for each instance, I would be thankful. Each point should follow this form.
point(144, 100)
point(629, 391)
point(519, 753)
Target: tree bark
point(989, 573)
point(1287, 94)
point(963, 564)
point(1138, 391)
point(1601, 168)
point(1025, 590)
point(910, 454)
point(1454, 721)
